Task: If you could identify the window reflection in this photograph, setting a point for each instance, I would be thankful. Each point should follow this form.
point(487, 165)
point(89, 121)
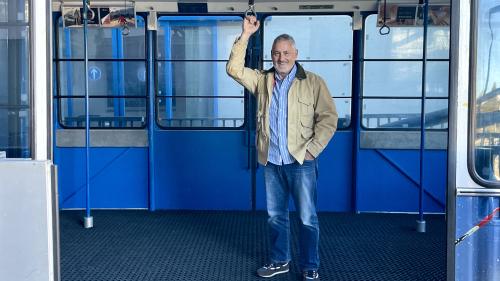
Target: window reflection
point(487, 108)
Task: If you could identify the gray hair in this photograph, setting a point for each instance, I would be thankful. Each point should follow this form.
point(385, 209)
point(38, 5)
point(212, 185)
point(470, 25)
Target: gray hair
point(284, 37)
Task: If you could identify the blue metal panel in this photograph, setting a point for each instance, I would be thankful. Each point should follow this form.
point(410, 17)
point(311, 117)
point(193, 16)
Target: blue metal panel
point(202, 170)
point(388, 181)
point(478, 256)
point(335, 177)
point(118, 179)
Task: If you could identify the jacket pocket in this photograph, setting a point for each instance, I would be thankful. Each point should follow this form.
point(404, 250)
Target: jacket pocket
point(306, 105)
point(307, 127)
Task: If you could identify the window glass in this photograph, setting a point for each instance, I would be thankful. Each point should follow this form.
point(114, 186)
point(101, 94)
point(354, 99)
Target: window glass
point(116, 75)
point(311, 39)
point(404, 113)
point(404, 78)
point(194, 90)
point(405, 42)
point(392, 77)
point(188, 78)
point(18, 11)
point(343, 106)
point(486, 143)
point(15, 101)
point(104, 112)
point(201, 112)
point(104, 43)
point(197, 38)
point(4, 7)
point(118, 78)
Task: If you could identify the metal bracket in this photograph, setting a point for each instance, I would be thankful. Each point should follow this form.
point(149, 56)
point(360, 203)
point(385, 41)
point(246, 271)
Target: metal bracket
point(357, 21)
point(152, 20)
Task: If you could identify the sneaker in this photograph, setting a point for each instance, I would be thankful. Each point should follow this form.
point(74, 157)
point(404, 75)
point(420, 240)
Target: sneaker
point(310, 275)
point(269, 270)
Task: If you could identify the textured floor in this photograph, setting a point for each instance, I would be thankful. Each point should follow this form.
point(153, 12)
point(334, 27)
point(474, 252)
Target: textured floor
point(229, 246)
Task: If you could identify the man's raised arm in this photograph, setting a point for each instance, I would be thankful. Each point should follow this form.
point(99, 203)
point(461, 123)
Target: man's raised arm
point(235, 67)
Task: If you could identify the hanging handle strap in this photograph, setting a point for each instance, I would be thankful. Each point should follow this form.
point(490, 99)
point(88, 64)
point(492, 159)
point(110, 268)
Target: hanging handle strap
point(384, 29)
point(90, 13)
point(251, 9)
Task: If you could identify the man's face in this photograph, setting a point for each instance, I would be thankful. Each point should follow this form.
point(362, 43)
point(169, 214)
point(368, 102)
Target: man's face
point(284, 56)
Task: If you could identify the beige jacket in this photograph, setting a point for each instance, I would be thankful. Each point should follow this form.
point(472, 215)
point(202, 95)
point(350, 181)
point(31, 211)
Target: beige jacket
point(312, 117)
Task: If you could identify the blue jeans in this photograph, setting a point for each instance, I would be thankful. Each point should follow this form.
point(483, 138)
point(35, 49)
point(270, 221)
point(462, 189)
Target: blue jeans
point(299, 181)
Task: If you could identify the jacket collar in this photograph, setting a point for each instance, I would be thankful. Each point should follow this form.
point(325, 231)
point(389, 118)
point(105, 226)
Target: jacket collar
point(301, 73)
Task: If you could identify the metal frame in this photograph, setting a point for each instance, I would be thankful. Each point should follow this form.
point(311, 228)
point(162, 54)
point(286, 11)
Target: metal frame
point(472, 101)
point(60, 97)
point(40, 75)
point(157, 61)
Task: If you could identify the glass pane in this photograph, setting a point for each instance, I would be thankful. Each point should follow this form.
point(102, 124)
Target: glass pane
point(104, 43)
point(18, 11)
point(311, 39)
point(405, 42)
point(344, 110)
point(404, 79)
point(105, 78)
point(391, 113)
point(4, 65)
point(487, 109)
point(437, 77)
point(337, 75)
point(4, 8)
point(104, 112)
point(404, 113)
point(15, 133)
point(196, 79)
point(197, 38)
point(436, 114)
point(392, 79)
point(14, 92)
point(201, 112)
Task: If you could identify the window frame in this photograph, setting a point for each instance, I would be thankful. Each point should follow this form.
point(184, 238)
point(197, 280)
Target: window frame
point(25, 142)
point(157, 97)
point(57, 90)
point(472, 100)
point(420, 98)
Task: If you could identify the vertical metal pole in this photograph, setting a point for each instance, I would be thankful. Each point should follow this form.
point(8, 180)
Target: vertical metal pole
point(356, 119)
point(88, 221)
point(421, 221)
point(151, 118)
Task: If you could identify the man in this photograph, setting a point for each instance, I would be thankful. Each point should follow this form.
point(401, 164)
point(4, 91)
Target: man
point(296, 118)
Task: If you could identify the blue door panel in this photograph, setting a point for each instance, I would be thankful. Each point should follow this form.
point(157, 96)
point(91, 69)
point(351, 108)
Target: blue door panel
point(202, 170)
point(118, 177)
point(388, 181)
point(335, 177)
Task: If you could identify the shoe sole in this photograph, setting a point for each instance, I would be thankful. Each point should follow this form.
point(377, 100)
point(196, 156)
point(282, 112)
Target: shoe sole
point(274, 274)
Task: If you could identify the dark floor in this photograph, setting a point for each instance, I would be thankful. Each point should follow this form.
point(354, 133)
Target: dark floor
point(229, 246)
